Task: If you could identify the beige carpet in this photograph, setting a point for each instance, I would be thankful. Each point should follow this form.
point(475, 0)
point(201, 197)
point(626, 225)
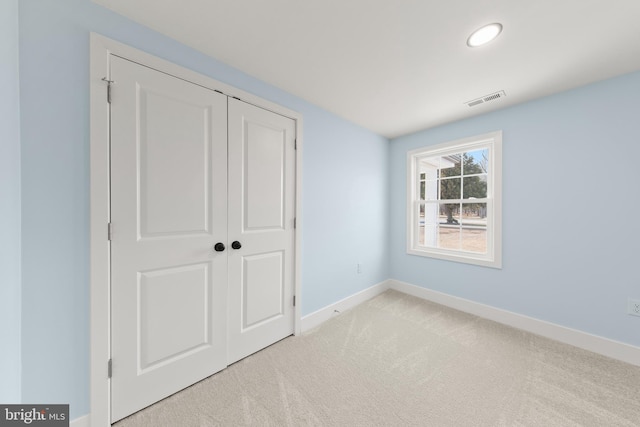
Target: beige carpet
point(397, 360)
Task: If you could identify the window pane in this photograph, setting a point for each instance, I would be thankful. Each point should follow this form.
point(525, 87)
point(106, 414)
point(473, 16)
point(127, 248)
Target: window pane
point(428, 166)
point(474, 214)
point(427, 225)
point(474, 187)
point(449, 213)
point(474, 227)
point(430, 190)
point(449, 237)
point(449, 226)
point(476, 162)
point(449, 166)
point(429, 214)
point(450, 188)
point(474, 240)
point(428, 236)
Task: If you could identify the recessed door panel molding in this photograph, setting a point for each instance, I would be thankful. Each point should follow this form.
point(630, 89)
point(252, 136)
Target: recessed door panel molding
point(175, 314)
point(264, 192)
point(262, 288)
point(174, 155)
point(168, 209)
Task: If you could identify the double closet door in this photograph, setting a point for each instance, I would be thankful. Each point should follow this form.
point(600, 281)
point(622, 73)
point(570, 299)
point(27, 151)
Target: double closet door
point(202, 233)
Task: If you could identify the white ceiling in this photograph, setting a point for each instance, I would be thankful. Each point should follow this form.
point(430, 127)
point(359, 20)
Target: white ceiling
point(397, 66)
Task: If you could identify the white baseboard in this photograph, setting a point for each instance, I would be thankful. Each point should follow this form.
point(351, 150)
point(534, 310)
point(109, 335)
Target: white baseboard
point(314, 319)
point(80, 422)
point(604, 346)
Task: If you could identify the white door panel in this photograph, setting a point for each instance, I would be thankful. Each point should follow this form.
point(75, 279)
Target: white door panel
point(173, 201)
point(264, 191)
point(169, 330)
point(263, 289)
point(168, 209)
point(261, 214)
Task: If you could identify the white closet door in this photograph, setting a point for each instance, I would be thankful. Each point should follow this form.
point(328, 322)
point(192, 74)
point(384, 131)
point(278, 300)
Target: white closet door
point(169, 209)
point(261, 219)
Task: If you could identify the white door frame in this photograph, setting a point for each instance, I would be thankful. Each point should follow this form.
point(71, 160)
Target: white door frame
point(101, 49)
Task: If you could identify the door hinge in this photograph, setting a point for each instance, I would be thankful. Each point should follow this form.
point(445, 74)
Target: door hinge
point(295, 222)
point(295, 144)
point(104, 79)
point(109, 231)
point(109, 368)
point(294, 300)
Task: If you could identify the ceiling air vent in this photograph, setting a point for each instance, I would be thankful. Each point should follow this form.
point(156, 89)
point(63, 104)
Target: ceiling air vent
point(486, 98)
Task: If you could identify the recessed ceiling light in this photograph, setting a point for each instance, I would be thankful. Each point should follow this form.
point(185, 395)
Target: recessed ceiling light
point(484, 35)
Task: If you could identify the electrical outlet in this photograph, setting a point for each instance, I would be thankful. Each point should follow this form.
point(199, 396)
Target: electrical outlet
point(359, 268)
point(634, 307)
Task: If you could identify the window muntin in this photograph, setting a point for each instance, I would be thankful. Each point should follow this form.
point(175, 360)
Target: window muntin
point(454, 200)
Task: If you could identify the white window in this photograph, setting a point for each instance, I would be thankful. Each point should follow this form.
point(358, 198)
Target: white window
point(454, 200)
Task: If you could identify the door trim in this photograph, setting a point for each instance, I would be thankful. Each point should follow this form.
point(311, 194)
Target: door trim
point(101, 50)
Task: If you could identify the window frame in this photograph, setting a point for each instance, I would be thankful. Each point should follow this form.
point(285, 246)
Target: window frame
point(493, 257)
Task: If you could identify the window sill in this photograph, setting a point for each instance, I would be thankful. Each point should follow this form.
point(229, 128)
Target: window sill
point(465, 258)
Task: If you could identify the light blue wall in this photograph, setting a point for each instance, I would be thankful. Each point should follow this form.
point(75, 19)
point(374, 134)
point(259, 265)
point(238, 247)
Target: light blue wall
point(571, 170)
point(345, 212)
point(9, 204)
point(345, 193)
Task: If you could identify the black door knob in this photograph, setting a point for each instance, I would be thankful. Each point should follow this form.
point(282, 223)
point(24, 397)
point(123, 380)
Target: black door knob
point(236, 245)
point(219, 247)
